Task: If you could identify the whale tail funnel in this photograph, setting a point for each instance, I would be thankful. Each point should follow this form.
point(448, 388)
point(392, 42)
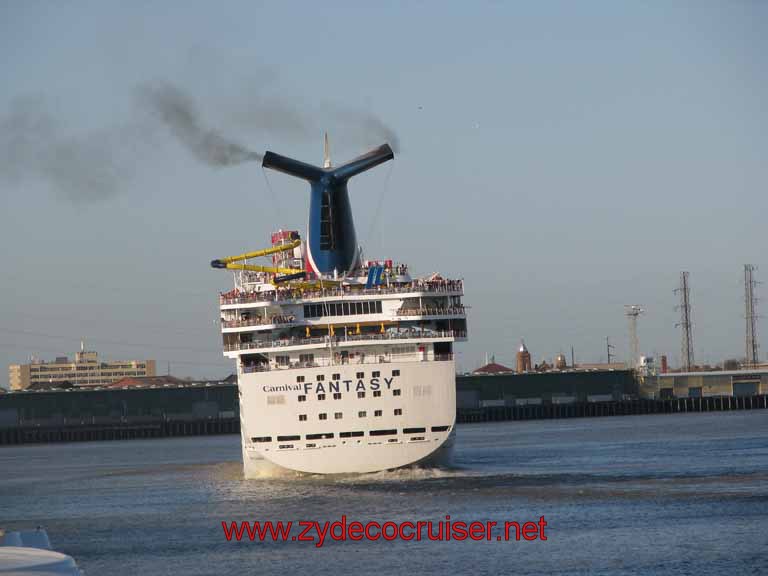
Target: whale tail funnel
point(332, 245)
point(314, 173)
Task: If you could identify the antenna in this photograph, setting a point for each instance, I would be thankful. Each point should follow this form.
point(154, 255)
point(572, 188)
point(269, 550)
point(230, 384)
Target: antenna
point(686, 344)
point(326, 153)
point(750, 301)
point(632, 311)
point(609, 347)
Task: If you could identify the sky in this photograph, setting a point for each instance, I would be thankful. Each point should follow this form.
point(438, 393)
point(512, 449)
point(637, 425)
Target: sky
point(563, 158)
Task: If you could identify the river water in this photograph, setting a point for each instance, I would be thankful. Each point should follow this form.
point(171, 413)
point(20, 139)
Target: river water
point(666, 494)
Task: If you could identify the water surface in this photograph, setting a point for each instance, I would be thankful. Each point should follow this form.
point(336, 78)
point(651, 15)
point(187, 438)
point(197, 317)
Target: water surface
point(665, 494)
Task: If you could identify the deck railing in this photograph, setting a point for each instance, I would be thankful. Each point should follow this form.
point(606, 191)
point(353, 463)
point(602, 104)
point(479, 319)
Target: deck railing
point(288, 295)
point(413, 334)
point(426, 311)
point(259, 321)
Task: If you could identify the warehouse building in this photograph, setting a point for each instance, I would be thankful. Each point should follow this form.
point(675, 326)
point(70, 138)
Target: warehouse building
point(553, 387)
point(703, 384)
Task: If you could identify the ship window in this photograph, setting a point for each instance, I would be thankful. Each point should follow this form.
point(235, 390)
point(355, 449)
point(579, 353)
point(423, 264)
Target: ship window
point(323, 416)
point(392, 440)
point(377, 393)
point(320, 377)
point(302, 417)
point(358, 307)
point(377, 413)
point(345, 306)
point(414, 430)
point(321, 396)
point(262, 439)
point(361, 414)
point(366, 307)
point(299, 379)
point(361, 374)
point(337, 415)
point(285, 446)
point(440, 428)
point(336, 377)
point(382, 432)
point(395, 372)
point(290, 438)
point(282, 360)
point(350, 434)
point(378, 306)
point(361, 394)
point(320, 436)
point(337, 395)
point(396, 392)
point(307, 358)
point(398, 411)
point(376, 374)
point(311, 445)
point(302, 398)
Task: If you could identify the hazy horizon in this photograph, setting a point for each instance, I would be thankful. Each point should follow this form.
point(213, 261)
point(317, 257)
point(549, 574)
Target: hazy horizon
point(565, 159)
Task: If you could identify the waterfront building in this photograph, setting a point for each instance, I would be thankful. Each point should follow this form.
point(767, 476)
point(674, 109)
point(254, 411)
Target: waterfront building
point(86, 370)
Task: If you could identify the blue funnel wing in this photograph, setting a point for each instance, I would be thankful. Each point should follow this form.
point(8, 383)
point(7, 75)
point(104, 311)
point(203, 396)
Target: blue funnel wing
point(364, 162)
point(292, 167)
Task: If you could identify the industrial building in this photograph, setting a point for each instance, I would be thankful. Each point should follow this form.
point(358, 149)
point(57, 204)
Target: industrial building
point(85, 371)
point(702, 384)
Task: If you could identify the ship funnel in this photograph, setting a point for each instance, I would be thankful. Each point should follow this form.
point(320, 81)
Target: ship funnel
point(331, 244)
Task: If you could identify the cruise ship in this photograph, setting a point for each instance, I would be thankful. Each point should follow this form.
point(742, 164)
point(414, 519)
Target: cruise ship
point(344, 365)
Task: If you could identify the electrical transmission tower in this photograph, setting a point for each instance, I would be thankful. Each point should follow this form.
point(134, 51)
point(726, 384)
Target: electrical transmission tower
point(750, 301)
point(632, 312)
point(686, 344)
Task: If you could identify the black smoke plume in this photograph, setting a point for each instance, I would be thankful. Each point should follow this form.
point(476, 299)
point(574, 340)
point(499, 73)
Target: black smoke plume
point(177, 111)
point(84, 168)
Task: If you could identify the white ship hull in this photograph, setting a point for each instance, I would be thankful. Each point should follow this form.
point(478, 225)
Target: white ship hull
point(360, 433)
